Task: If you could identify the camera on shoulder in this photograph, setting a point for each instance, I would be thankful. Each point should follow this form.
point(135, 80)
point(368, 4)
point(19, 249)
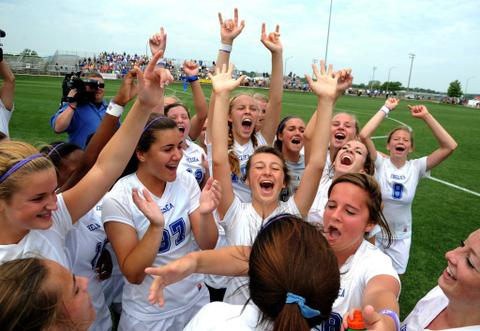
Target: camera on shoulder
point(85, 87)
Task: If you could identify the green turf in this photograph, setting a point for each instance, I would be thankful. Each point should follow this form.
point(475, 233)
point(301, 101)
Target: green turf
point(442, 215)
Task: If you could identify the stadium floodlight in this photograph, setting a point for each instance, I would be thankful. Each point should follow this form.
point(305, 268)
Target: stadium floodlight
point(328, 31)
point(411, 56)
point(388, 77)
point(466, 85)
point(285, 65)
point(373, 77)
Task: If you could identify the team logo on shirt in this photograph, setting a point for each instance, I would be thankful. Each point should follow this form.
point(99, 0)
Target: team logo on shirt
point(169, 206)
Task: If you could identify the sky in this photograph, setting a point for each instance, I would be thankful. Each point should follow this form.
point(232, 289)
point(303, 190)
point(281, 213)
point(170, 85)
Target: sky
point(363, 34)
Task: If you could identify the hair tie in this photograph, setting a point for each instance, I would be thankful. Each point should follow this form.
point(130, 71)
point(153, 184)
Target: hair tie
point(55, 148)
point(18, 165)
point(306, 311)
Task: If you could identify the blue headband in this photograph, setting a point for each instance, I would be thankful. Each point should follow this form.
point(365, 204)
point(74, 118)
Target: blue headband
point(55, 148)
point(18, 165)
point(306, 311)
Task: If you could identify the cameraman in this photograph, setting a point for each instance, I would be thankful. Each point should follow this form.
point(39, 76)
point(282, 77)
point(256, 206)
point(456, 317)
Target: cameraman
point(81, 118)
point(7, 90)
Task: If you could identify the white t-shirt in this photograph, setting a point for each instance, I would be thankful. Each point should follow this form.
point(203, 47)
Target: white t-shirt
point(48, 244)
point(84, 244)
point(192, 160)
point(427, 309)
point(5, 116)
point(295, 170)
point(178, 201)
point(220, 316)
point(398, 190)
point(242, 224)
point(367, 262)
point(315, 214)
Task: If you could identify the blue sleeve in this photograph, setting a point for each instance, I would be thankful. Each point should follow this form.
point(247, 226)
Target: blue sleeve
point(54, 117)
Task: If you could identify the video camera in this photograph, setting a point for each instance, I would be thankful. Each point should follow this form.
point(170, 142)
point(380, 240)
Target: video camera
point(83, 95)
point(2, 35)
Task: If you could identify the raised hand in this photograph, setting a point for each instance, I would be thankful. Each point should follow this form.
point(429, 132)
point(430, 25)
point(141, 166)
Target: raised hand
point(222, 81)
point(149, 208)
point(272, 41)
point(392, 103)
point(210, 197)
point(418, 111)
point(190, 68)
point(127, 90)
point(151, 83)
point(326, 84)
point(169, 274)
point(158, 42)
point(345, 80)
point(230, 29)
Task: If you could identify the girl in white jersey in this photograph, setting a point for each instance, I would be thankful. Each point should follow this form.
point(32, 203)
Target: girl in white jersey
point(242, 137)
point(140, 239)
point(455, 303)
point(398, 176)
point(367, 278)
point(289, 142)
point(33, 218)
point(39, 294)
point(194, 158)
point(266, 172)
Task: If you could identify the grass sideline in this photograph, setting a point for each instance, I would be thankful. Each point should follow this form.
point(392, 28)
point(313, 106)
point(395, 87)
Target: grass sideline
point(442, 216)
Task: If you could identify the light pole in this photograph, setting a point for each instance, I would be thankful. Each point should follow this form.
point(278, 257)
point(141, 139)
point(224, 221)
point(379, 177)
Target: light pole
point(466, 85)
point(388, 77)
point(373, 77)
point(328, 31)
point(285, 65)
point(411, 56)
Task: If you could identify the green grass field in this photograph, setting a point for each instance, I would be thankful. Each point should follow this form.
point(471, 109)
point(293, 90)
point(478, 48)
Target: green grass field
point(442, 215)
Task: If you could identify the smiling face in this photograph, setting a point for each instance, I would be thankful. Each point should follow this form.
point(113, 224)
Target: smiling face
point(399, 144)
point(351, 158)
point(266, 177)
point(243, 116)
point(31, 205)
point(461, 279)
point(342, 130)
point(180, 115)
point(346, 218)
point(292, 135)
point(163, 156)
point(262, 110)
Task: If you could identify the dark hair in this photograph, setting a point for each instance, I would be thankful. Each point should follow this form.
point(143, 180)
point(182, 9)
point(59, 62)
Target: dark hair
point(269, 150)
point(278, 144)
point(155, 123)
point(25, 301)
point(401, 128)
point(173, 105)
point(291, 255)
point(3, 136)
point(58, 150)
point(374, 199)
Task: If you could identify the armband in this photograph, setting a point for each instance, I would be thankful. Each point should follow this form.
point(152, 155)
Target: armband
point(191, 78)
point(114, 109)
point(393, 315)
point(385, 109)
point(225, 48)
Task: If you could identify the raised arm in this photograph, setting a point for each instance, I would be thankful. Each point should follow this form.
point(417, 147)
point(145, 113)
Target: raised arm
point(106, 130)
point(7, 90)
point(226, 261)
point(158, 43)
point(274, 106)
point(325, 89)
point(445, 141)
point(222, 84)
point(374, 123)
point(191, 69)
point(116, 154)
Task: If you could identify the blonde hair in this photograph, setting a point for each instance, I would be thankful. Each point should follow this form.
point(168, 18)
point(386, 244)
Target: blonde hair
point(12, 152)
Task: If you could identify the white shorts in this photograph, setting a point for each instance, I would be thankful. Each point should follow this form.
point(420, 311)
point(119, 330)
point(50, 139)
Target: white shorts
point(173, 323)
point(399, 252)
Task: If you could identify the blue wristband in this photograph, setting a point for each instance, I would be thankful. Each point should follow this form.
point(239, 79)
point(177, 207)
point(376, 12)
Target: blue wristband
point(393, 315)
point(191, 78)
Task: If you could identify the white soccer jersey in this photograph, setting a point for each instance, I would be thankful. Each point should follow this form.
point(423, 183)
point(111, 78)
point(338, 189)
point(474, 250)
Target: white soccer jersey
point(315, 214)
point(85, 244)
point(49, 243)
point(5, 116)
point(178, 201)
point(192, 161)
point(427, 309)
point(398, 190)
point(242, 224)
point(220, 316)
point(367, 262)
